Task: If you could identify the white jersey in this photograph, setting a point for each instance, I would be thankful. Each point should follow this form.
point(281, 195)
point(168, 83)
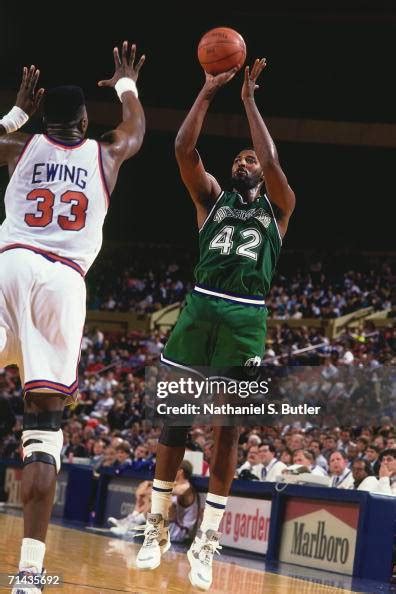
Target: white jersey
point(56, 202)
point(186, 518)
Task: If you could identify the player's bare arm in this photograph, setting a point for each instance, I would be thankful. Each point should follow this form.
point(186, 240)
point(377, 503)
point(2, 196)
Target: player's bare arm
point(278, 189)
point(203, 187)
point(125, 141)
point(26, 104)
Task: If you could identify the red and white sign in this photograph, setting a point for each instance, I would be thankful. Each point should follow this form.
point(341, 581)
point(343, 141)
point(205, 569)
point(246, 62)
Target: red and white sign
point(245, 524)
point(320, 534)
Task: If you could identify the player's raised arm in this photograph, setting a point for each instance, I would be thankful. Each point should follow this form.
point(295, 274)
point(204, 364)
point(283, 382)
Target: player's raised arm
point(278, 189)
point(203, 187)
point(123, 142)
point(27, 101)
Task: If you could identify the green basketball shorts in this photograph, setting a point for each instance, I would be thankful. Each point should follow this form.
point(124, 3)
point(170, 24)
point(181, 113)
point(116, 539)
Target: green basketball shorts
point(218, 332)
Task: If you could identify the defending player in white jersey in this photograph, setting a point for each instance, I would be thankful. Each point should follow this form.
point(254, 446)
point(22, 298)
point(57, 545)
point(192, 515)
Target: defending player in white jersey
point(56, 203)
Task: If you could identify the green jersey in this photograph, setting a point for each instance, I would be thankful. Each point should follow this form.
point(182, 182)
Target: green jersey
point(239, 245)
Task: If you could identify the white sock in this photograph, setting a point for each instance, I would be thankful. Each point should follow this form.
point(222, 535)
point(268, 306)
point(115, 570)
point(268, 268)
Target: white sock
point(213, 512)
point(32, 554)
point(161, 497)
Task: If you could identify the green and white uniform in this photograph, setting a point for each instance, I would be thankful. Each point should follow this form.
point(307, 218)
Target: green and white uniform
point(224, 320)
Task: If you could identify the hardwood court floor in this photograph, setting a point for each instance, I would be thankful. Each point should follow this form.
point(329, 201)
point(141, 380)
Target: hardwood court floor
point(95, 564)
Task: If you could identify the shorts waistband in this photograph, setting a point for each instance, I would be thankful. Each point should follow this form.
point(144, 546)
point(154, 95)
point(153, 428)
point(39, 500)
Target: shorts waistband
point(48, 255)
point(246, 299)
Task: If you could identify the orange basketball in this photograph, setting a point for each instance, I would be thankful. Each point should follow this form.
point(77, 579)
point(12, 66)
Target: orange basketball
point(221, 49)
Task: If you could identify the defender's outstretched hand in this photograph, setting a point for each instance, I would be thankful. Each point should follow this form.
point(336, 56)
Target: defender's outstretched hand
point(214, 83)
point(249, 82)
point(124, 66)
point(28, 98)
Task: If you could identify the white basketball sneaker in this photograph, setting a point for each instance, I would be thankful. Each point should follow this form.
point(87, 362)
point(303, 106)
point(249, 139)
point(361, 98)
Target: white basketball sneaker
point(156, 542)
point(200, 556)
point(130, 523)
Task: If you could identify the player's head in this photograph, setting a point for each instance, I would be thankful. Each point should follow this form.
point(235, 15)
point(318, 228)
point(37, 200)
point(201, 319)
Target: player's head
point(65, 107)
point(246, 172)
point(185, 470)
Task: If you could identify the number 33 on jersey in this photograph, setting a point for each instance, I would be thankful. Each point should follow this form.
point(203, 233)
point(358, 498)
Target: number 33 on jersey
point(58, 200)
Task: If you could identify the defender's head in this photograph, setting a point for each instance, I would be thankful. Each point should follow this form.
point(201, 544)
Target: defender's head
point(246, 172)
point(65, 106)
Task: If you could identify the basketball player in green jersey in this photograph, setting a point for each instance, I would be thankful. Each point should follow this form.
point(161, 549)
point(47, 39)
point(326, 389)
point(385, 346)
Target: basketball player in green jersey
point(224, 320)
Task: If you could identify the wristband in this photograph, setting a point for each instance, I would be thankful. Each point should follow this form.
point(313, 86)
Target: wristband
point(125, 84)
point(14, 119)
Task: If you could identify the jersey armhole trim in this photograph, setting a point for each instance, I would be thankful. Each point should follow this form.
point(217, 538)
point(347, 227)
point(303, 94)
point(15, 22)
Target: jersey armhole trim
point(102, 175)
point(23, 152)
point(275, 221)
point(27, 143)
point(211, 211)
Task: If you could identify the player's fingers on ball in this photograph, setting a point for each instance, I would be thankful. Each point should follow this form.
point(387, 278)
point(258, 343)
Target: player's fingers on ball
point(262, 65)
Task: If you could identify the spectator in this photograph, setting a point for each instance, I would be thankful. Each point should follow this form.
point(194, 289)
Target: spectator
point(97, 453)
point(344, 440)
point(307, 458)
point(142, 460)
point(387, 473)
point(286, 457)
point(362, 443)
point(316, 447)
point(76, 449)
point(363, 479)
point(109, 457)
point(252, 466)
point(296, 442)
point(329, 446)
point(340, 474)
point(271, 466)
point(372, 456)
point(123, 458)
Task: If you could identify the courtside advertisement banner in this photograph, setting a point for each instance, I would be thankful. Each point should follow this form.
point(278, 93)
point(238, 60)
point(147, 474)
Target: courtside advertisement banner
point(245, 524)
point(13, 484)
point(320, 534)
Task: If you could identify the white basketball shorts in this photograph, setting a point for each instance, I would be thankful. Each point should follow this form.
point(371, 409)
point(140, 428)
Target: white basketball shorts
point(42, 315)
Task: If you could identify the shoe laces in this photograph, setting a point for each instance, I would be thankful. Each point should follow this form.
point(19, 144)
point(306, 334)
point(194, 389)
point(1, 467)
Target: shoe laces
point(208, 550)
point(151, 533)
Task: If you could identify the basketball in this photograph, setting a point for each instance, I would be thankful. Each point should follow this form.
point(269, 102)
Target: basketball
point(220, 50)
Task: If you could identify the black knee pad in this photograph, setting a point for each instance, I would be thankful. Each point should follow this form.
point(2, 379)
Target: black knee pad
point(42, 438)
point(173, 436)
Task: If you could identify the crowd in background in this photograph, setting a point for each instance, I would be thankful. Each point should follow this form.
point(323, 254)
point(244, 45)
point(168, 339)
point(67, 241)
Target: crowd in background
point(146, 278)
point(352, 378)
